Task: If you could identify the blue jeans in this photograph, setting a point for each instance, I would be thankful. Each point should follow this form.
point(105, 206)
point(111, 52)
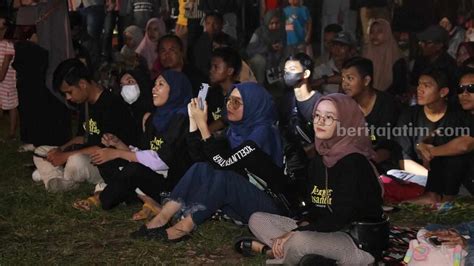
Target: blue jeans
point(112, 19)
point(203, 190)
point(463, 229)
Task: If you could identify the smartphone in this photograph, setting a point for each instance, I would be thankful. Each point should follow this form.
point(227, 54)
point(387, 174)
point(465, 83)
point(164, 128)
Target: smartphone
point(202, 95)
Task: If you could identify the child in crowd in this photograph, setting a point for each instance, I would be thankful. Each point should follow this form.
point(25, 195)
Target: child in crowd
point(8, 92)
point(298, 26)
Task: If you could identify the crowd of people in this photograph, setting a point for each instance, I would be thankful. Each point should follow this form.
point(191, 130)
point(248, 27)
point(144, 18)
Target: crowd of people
point(304, 143)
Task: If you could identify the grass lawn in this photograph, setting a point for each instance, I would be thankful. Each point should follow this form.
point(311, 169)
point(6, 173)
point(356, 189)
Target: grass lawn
point(37, 227)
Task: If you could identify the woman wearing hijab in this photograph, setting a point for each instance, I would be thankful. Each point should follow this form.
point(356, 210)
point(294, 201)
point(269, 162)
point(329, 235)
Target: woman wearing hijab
point(155, 28)
point(226, 178)
point(390, 68)
point(136, 90)
point(163, 151)
point(342, 188)
point(133, 36)
point(267, 45)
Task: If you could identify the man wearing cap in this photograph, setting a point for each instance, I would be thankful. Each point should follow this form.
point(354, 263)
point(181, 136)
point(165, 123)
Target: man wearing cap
point(433, 43)
point(327, 77)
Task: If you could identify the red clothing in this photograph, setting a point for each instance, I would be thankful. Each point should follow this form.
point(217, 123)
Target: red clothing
point(272, 4)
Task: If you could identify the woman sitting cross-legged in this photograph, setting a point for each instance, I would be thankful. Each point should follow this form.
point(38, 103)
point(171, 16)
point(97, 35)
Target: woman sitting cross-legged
point(342, 188)
point(164, 150)
point(251, 145)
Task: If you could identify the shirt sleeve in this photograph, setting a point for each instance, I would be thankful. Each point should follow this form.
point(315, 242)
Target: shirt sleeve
point(405, 142)
point(151, 160)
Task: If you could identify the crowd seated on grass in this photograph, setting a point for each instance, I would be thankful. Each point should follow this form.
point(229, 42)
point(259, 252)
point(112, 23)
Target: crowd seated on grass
point(303, 153)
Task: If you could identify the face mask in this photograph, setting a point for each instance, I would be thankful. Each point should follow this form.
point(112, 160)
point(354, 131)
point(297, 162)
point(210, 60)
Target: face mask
point(292, 79)
point(130, 93)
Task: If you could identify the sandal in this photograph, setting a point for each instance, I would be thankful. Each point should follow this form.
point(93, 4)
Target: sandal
point(243, 245)
point(146, 212)
point(87, 204)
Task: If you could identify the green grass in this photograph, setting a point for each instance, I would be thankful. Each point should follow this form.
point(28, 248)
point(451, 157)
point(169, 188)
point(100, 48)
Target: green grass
point(37, 227)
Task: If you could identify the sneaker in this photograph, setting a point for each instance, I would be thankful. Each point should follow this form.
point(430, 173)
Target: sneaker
point(36, 176)
point(59, 184)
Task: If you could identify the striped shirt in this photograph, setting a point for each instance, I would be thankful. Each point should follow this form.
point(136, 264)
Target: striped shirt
point(8, 93)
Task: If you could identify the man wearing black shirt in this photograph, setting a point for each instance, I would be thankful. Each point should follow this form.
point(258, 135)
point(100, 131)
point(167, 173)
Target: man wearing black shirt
point(171, 56)
point(379, 108)
point(63, 167)
point(433, 42)
point(433, 122)
point(460, 145)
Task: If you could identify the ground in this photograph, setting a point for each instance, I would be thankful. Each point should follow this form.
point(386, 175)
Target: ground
point(37, 227)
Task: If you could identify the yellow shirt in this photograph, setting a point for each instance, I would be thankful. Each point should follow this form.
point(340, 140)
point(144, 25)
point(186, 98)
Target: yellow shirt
point(182, 20)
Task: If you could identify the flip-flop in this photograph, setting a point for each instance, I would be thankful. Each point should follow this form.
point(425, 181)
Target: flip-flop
point(146, 212)
point(243, 245)
point(87, 204)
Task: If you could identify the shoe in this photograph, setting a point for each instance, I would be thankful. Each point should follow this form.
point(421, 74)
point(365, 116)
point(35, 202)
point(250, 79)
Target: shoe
point(158, 233)
point(59, 184)
point(243, 245)
point(36, 176)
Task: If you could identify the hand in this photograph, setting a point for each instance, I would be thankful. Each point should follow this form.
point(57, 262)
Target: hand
point(104, 155)
point(278, 247)
point(449, 237)
point(199, 116)
point(277, 46)
point(144, 119)
point(425, 151)
point(56, 157)
point(110, 140)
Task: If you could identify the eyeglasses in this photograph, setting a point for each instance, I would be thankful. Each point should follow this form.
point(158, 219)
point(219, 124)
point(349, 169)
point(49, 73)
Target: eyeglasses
point(327, 119)
point(233, 102)
point(462, 88)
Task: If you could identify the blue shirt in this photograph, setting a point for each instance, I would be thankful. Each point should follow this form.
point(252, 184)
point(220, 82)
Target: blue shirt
point(295, 21)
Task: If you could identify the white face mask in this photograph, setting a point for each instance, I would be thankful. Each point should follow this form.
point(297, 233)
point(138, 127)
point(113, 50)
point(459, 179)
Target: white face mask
point(130, 93)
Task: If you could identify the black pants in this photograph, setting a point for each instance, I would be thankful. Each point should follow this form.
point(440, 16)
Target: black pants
point(447, 174)
point(121, 184)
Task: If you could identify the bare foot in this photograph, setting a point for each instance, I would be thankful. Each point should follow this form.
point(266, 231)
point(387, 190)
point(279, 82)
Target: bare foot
point(427, 198)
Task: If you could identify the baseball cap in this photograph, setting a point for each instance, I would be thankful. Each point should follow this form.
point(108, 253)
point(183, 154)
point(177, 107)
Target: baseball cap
point(434, 33)
point(344, 37)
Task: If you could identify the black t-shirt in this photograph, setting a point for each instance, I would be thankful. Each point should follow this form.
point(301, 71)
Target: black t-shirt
point(384, 114)
point(171, 145)
point(350, 192)
point(246, 157)
point(415, 127)
point(196, 78)
point(109, 114)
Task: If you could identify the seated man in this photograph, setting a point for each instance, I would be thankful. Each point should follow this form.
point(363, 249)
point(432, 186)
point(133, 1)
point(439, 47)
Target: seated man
point(380, 109)
point(434, 121)
point(327, 77)
point(61, 168)
point(460, 145)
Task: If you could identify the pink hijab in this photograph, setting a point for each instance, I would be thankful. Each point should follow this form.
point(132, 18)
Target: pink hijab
point(383, 56)
point(350, 116)
point(147, 48)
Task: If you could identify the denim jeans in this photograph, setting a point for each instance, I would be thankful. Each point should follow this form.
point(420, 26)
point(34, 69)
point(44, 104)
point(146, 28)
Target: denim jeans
point(204, 190)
